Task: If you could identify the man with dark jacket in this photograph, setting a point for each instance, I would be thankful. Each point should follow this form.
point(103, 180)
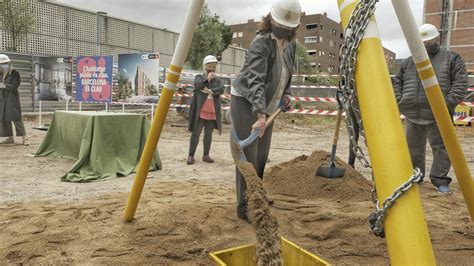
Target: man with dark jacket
point(413, 103)
point(205, 110)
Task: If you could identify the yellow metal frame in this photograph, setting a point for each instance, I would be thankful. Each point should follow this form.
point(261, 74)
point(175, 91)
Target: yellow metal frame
point(244, 255)
point(405, 227)
point(172, 78)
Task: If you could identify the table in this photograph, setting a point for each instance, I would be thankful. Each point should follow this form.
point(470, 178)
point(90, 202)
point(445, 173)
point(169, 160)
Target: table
point(104, 145)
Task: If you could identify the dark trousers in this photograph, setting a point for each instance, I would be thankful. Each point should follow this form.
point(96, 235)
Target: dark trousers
point(208, 126)
point(6, 129)
point(256, 153)
point(416, 139)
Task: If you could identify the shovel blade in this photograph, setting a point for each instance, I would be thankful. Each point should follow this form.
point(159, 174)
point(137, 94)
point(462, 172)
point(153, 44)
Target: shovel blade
point(331, 171)
point(235, 146)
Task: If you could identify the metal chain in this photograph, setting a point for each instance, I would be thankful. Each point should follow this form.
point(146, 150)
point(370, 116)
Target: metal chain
point(353, 35)
point(377, 218)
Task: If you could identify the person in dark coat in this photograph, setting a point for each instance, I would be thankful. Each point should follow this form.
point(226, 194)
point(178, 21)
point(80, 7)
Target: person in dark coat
point(421, 126)
point(10, 108)
point(205, 110)
point(264, 82)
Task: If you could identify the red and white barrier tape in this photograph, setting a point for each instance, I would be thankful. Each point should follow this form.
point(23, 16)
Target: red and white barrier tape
point(470, 89)
point(188, 74)
point(463, 118)
point(180, 85)
point(312, 112)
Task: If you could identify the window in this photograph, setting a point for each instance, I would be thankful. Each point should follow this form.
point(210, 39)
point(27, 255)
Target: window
point(312, 26)
point(342, 36)
point(234, 35)
point(333, 32)
point(321, 53)
point(311, 39)
point(320, 38)
point(237, 34)
point(312, 52)
point(240, 34)
point(321, 26)
point(331, 55)
point(330, 69)
point(332, 43)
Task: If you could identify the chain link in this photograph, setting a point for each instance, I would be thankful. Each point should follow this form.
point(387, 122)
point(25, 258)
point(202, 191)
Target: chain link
point(377, 218)
point(353, 34)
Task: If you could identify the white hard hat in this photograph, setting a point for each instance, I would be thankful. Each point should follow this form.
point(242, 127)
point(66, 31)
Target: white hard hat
point(428, 32)
point(4, 59)
point(287, 12)
point(209, 59)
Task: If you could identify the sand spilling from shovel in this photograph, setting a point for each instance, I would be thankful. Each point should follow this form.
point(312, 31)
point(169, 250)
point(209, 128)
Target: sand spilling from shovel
point(297, 178)
point(266, 225)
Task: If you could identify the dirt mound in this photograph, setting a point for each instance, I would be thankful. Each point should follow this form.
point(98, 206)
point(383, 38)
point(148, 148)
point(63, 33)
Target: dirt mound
point(297, 178)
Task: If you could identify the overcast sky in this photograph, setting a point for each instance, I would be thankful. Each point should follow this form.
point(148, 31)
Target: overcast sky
point(170, 14)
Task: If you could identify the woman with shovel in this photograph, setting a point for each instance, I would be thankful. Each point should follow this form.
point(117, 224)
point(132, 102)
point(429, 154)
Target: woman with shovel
point(262, 83)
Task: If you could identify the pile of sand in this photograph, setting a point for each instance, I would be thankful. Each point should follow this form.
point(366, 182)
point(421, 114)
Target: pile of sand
point(180, 222)
point(297, 178)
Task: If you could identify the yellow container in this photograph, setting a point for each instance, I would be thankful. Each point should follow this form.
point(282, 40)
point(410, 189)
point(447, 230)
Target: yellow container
point(292, 255)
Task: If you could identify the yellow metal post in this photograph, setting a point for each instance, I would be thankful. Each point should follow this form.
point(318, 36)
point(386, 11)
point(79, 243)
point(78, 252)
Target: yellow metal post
point(406, 230)
point(436, 100)
point(172, 78)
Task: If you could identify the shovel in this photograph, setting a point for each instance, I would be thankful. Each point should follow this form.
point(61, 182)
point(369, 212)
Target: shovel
point(237, 146)
point(332, 171)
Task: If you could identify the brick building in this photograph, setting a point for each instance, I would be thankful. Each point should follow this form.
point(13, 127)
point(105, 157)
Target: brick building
point(142, 82)
point(455, 21)
point(321, 36)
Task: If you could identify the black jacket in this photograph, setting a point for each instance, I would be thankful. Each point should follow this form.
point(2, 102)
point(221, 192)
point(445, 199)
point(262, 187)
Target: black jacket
point(452, 78)
point(10, 108)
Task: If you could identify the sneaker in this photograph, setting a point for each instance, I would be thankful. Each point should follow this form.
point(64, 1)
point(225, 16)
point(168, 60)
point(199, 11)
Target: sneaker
point(443, 189)
point(207, 159)
point(190, 160)
point(25, 141)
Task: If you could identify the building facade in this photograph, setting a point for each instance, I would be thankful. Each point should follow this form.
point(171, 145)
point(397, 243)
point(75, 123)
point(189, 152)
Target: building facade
point(63, 30)
point(142, 82)
point(455, 21)
point(321, 36)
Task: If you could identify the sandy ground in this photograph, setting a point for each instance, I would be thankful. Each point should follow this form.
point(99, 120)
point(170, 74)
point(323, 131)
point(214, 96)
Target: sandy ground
point(187, 211)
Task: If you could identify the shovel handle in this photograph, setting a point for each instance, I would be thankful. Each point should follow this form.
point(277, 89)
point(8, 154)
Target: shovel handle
point(338, 125)
point(272, 117)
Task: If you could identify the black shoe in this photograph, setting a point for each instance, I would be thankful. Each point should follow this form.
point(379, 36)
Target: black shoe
point(190, 160)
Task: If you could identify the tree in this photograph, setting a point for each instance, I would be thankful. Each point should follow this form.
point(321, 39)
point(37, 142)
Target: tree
point(303, 65)
point(151, 89)
point(124, 89)
point(211, 37)
point(17, 20)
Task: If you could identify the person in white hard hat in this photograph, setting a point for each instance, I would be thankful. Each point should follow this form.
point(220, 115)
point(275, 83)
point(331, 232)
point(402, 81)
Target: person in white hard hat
point(264, 82)
point(205, 109)
point(10, 108)
point(412, 101)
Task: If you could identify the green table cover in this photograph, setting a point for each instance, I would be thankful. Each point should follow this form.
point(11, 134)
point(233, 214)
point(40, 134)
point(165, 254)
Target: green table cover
point(104, 145)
